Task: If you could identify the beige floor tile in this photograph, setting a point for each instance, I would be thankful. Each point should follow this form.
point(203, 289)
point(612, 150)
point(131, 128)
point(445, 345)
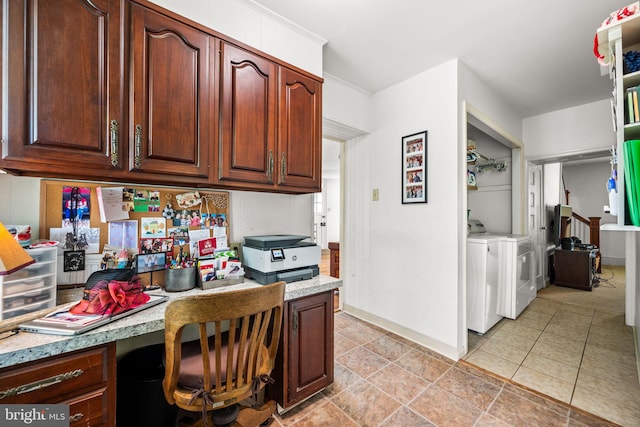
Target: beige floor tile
point(604, 398)
point(544, 383)
point(534, 320)
point(360, 333)
point(576, 332)
point(605, 357)
point(543, 365)
point(509, 351)
point(576, 309)
point(517, 328)
point(543, 306)
point(521, 341)
point(493, 363)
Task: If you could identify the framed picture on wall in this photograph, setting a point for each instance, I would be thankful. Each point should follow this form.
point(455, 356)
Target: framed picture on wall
point(414, 168)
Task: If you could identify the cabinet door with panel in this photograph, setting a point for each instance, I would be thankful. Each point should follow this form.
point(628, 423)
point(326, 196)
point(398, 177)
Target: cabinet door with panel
point(299, 131)
point(304, 363)
point(248, 100)
point(63, 67)
point(172, 87)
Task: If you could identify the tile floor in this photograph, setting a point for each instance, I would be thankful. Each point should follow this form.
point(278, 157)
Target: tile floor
point(384, 380)
point(571, 345)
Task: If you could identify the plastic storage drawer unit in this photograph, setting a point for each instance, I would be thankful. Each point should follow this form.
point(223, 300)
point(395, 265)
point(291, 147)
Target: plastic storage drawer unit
point(32, 288)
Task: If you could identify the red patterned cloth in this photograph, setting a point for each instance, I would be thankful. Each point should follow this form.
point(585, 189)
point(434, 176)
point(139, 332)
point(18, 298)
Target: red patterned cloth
point(111, 297)
point(604, 56)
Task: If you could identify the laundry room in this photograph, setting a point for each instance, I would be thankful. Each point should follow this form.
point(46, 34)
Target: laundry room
point(489, 181)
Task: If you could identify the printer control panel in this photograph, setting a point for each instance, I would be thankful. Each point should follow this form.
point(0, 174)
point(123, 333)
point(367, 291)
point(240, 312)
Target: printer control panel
point(277, 254)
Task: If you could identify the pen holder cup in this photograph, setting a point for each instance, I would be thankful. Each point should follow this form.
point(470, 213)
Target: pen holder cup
point(180, 279)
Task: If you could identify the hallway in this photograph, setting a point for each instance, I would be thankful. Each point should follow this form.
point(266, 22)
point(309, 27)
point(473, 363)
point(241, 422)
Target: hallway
point(571, 345)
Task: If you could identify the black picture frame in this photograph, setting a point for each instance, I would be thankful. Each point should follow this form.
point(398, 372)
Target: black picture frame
point(146, 263)
point(73, 261)
point(414, 168)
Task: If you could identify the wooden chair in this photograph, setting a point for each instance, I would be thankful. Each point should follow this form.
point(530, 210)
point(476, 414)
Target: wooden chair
point(231, 361)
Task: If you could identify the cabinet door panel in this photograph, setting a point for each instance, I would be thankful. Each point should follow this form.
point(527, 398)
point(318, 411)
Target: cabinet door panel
point(65, 83)
point(300, 131)
point(248, 100)
point(171, 120)
point(310, 346)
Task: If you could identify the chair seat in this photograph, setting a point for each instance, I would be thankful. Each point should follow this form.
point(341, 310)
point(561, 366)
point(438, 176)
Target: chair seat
point(192, 371)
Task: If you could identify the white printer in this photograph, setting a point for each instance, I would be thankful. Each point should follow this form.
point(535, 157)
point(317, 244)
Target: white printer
point(281, 257)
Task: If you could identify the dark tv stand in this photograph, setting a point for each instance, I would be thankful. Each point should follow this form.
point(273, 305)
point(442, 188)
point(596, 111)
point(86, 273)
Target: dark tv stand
point(575, 268)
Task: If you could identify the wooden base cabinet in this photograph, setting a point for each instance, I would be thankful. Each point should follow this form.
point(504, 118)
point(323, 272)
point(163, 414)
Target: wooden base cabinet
point(304, 363)
point(575, 268)
point(85, 380)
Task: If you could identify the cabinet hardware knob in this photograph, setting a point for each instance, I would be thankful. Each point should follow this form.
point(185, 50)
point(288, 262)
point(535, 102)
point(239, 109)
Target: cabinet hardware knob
point(40, 384)
point(114, 142)
point(138, 144)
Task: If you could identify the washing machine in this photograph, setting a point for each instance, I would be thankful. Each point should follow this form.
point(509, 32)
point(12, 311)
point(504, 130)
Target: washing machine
point(483, 280)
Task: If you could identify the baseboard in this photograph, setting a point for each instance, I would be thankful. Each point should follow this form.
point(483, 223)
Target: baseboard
point(618, 262)
point(404, 332)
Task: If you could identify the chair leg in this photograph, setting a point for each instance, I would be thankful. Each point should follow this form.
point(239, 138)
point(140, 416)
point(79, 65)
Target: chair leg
point(252, 417)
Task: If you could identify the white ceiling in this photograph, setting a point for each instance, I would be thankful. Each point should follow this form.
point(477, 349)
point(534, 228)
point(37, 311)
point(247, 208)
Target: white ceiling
point(538, 55)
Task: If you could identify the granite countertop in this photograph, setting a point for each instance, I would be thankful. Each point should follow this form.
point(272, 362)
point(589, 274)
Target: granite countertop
point(27, 346)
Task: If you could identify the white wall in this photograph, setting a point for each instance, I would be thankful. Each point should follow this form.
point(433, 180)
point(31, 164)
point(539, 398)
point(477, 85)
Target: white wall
point(586, 182)
point(402, 260)
point(256, 26)
point(346, 104)
point(20, 201)
point(580, 129)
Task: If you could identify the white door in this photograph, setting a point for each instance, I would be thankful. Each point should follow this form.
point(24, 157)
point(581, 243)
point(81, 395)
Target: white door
point(536, 228)
point(320, 218)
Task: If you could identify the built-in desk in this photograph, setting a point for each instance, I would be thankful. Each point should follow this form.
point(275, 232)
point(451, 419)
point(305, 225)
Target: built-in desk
point(26, 347)
point(81, 370)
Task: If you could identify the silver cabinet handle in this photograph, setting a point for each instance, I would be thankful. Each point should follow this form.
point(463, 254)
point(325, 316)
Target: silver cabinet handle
point(76, 417)
point(40, 384)
point(114, 142)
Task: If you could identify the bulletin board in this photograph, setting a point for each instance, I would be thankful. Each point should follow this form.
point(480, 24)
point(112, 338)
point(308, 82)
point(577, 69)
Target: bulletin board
point(52, 206)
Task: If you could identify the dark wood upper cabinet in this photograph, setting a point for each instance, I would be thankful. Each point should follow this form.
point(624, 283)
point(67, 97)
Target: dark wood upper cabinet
point(172, 117)
point(122, 90)
point(248, 100)
point(64, 75)
point(300, 131)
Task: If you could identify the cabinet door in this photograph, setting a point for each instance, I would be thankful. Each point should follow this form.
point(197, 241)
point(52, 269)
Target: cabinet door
point(310, 349)
point(63, 69)
point(248, 88)
point(171, 121)
point(300, 131)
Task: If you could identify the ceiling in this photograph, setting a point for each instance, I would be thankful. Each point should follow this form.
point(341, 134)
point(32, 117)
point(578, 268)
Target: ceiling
point(537, 55)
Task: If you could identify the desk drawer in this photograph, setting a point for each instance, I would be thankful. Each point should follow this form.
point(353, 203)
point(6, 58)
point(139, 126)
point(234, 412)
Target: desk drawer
point(90, 409)
point(55, 378)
